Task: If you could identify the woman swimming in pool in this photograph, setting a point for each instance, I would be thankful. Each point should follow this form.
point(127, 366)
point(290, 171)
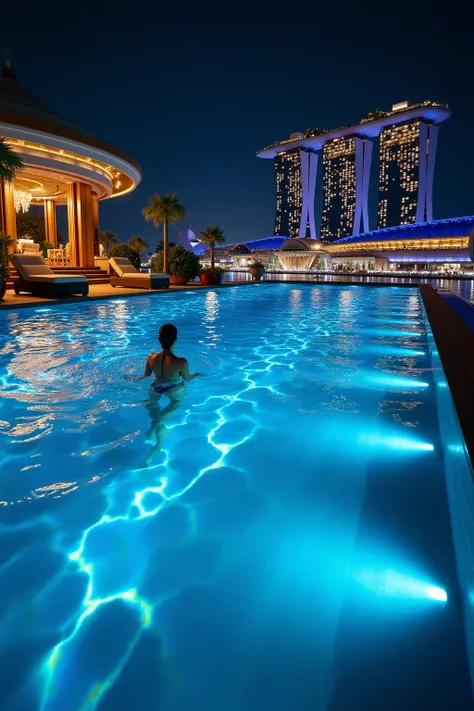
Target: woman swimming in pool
point(170, 371)
point(170, 374)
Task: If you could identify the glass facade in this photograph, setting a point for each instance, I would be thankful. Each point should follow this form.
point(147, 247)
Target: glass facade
point(289, 194)
point(339, 189)
point(399, 174)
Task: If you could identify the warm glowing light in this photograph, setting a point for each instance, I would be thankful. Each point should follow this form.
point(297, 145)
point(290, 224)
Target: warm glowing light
point(22, 199)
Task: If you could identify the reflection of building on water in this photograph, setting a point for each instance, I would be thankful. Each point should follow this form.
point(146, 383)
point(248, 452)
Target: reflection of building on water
point(441, 245)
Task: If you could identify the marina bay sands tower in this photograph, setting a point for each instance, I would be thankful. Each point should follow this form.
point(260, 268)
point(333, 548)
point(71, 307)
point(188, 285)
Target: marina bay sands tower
point(408, 139)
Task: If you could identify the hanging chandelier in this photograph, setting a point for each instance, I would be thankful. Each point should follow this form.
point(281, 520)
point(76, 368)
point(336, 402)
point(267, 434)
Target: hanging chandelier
point(22, 199)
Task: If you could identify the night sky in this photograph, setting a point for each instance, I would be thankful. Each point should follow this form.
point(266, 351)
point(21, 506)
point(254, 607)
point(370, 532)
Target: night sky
point(193, 93)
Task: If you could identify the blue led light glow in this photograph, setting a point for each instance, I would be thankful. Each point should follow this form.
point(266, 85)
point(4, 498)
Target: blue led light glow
point(144, 551)
point(393, 584)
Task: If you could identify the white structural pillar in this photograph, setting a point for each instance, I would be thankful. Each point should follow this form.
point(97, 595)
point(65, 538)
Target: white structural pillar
point(363, 152)
point(428, 145)
point(309, 170)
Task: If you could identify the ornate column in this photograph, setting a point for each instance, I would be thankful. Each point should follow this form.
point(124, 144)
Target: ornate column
point(81, 224)
point(7, 211)
point(50, 222)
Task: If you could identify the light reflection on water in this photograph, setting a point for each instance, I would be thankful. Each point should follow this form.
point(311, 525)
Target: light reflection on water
point(290, 540)
point(462, 287)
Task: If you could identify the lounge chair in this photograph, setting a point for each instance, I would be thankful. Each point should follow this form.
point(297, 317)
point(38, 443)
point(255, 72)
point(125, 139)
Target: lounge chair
point(35, 277)
point(128, 276)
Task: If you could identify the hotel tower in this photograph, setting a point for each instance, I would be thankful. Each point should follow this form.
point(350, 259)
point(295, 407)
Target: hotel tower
point(408, 136)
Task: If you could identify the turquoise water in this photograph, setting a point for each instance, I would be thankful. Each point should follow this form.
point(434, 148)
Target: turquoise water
point(284, 542)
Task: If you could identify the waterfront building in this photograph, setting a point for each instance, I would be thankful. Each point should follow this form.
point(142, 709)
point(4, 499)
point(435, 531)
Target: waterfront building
point(441, 245)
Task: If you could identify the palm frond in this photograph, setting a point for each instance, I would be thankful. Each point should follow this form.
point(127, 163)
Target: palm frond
point(164, 207)
point(10, 162)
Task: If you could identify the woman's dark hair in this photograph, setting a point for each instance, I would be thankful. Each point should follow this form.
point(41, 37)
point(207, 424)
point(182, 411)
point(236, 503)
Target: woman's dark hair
point(167, 336)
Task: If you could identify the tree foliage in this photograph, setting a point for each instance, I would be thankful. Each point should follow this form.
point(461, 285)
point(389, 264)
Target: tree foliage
point(31, 225)
point(213, 236)
point(182, 262)
point(107, 239)
point(161, 246)
point(124, 250)
point(10, 162)
point(164, 209)
point(138, 243)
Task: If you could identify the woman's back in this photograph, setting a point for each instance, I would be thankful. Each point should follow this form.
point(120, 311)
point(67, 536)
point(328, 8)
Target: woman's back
point(166, 366)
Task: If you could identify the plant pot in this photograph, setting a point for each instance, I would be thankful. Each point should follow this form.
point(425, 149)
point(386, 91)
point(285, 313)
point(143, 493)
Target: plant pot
point(208, 279)
point(257, 272)
point(176, 280)
point(3, 287)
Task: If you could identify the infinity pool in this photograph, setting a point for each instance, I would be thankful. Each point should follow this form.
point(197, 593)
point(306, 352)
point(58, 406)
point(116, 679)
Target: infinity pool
point(285, 545)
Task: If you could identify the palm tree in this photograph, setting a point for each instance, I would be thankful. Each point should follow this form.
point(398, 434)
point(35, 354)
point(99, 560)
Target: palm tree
point(211, 237)
point(164, 209)
point(106, 239)
point(137, 243)
point(10, 162)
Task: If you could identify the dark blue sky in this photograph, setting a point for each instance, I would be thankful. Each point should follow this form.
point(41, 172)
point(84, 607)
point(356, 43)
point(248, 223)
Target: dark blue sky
point(193, 93)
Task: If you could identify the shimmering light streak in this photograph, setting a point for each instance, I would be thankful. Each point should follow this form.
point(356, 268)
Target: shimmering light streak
point(257, 379)
point(395, 382)
point(374, 439)
point(393, 584)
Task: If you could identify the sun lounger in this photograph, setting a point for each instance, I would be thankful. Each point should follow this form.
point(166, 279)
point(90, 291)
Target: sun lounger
point(128, 276)
point(35, 277)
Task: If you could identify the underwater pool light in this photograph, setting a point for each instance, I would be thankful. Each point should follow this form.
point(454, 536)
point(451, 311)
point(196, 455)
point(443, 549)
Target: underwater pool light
point(395, 382)
point(374, 439)
point(392, 584)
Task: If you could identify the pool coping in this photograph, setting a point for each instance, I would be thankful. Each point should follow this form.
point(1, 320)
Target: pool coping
point(455, 343)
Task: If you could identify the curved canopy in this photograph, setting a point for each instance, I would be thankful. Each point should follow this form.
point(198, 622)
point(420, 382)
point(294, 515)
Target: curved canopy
point(450, 227)
point(56, 152)
point(302, 244)
point(240, 249)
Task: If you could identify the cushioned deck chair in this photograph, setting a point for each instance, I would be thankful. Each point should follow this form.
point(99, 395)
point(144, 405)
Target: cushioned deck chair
point(130, 277)
point(35, 277)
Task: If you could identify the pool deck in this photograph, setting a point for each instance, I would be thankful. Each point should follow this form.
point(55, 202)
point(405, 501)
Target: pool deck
point(97, 292)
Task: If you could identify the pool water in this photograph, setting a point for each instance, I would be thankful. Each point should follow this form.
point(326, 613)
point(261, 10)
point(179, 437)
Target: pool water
point(281, 542)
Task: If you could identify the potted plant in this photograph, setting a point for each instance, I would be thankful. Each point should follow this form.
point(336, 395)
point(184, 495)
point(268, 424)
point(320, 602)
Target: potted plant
point(183, 264)
point(5, 243)
point(257, 270)
point(212, 276)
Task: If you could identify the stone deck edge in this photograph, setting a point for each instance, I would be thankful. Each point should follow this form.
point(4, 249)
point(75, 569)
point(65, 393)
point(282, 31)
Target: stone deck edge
point(455, 344)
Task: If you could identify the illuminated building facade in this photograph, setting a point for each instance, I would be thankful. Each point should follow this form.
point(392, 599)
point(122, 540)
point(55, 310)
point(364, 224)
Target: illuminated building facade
point(407, 158)
point(295, 186)
point(339, 189)
point(346, 165)
point(441, 245)
point(408, 139)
